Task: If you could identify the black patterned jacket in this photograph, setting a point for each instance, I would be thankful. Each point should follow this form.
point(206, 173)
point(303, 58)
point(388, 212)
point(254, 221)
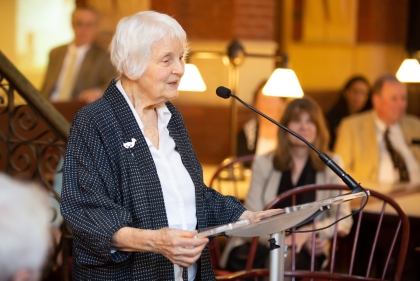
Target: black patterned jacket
point(107, 186)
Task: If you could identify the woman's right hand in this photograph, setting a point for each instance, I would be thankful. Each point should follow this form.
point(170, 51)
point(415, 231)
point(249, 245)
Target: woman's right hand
point(179, 246)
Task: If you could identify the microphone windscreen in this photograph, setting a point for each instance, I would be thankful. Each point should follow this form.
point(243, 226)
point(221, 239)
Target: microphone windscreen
point(223, 92)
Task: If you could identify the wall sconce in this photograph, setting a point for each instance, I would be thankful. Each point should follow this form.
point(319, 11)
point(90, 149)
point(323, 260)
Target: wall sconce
point(283, 82)
point(409, 71)
point(192, 80)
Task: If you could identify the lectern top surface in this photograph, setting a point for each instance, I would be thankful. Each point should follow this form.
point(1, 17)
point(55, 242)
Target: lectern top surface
point(274, 221)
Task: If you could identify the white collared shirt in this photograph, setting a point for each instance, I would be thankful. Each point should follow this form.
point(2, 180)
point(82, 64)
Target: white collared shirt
point(80, 56)
point(387, 173)
point(177, 186)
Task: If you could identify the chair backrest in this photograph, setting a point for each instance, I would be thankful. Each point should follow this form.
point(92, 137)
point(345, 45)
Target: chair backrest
point(230, 176)
point(245, 275)
point(360, 261)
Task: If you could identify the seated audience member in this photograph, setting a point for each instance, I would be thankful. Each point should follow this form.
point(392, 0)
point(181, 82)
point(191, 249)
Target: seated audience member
point(354, 98)
point(292, 164)
point(258, 135)
point(24, 230)
point(376, 146)
point(80, 70)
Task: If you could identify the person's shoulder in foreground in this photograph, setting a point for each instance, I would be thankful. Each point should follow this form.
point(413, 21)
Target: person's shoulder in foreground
point(23, 207)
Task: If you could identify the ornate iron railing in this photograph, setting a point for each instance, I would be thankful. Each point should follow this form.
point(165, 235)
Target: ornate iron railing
point(33, 134)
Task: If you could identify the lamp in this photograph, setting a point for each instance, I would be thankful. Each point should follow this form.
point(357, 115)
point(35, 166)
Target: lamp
point(409, 71)
point(283, 82)
point(192, 80)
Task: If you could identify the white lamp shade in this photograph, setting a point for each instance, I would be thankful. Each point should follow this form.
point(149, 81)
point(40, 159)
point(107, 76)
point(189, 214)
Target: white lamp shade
point(192, 80)
point(283, 83)
point(409, 71)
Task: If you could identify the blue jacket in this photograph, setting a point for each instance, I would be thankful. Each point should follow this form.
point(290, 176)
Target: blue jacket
point(107, 186)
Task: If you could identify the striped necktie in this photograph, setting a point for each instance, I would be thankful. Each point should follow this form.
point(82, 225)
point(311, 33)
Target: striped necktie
point(397, 159)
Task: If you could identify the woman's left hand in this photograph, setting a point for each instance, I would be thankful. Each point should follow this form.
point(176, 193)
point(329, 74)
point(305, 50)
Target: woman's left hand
point(256, 216)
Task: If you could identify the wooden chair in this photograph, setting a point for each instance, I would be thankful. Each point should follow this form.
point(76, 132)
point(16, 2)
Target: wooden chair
point(363, 245)
point(231, 172)
point(245, 275)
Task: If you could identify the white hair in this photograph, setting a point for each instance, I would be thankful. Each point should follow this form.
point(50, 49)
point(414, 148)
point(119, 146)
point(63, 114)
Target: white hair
point(24, 227)
point(135, 36)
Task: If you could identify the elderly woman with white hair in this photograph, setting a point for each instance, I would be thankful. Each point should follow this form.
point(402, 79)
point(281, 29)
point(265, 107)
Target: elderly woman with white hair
point(133, 191)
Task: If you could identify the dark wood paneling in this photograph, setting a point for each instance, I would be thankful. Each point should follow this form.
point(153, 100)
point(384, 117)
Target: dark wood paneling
point(382, 21)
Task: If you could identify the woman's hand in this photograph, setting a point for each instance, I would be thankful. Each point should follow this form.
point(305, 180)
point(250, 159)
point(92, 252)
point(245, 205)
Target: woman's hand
point(300, 240)
point(320, 245)
point(304, 239)
point(256, 216)
point(179, 246)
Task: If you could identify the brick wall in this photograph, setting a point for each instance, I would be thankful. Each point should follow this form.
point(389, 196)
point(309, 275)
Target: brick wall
point(221, 19)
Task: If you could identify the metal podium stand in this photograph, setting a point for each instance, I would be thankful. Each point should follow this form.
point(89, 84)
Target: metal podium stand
point(276, 225)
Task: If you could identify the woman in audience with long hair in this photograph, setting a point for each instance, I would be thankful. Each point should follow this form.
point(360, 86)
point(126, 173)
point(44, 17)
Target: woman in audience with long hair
point(354, 97)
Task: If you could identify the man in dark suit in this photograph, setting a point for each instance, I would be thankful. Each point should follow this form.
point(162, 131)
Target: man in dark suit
point(80, 70)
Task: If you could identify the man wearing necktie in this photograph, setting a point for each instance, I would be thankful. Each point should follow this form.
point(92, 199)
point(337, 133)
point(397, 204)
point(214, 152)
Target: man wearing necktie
point(80, 70)
point(376, 146)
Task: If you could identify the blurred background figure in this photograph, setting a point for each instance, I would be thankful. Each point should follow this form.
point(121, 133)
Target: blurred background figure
point(258, 135)
point(377, 145)
point(24, 236)
point(80, 70)
point(292, 164)
point(354, 97)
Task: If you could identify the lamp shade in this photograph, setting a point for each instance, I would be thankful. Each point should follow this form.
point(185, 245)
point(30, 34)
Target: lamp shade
point(283, 83)
point(409, 71)
point(192, 80)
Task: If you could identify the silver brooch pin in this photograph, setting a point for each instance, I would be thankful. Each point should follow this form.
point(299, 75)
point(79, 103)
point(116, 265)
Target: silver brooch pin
point(130, 144)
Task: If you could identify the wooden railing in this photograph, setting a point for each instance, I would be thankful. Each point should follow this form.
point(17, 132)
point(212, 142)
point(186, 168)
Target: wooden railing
point(33, 136)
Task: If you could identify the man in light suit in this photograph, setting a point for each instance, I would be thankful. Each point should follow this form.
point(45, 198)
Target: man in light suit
point(92, 68)
point(361, 142)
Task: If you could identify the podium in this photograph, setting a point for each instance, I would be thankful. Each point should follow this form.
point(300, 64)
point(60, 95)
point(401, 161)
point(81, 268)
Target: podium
point(276, 225)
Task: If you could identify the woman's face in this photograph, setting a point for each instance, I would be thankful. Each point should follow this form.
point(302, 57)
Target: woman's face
point(304, 126)
point(357, 96)
point(159, 83)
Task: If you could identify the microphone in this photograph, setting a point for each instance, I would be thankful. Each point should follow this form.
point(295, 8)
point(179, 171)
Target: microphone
point(226, 93)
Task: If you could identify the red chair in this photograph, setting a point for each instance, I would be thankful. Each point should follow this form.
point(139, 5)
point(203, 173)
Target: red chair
point(397, 246)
